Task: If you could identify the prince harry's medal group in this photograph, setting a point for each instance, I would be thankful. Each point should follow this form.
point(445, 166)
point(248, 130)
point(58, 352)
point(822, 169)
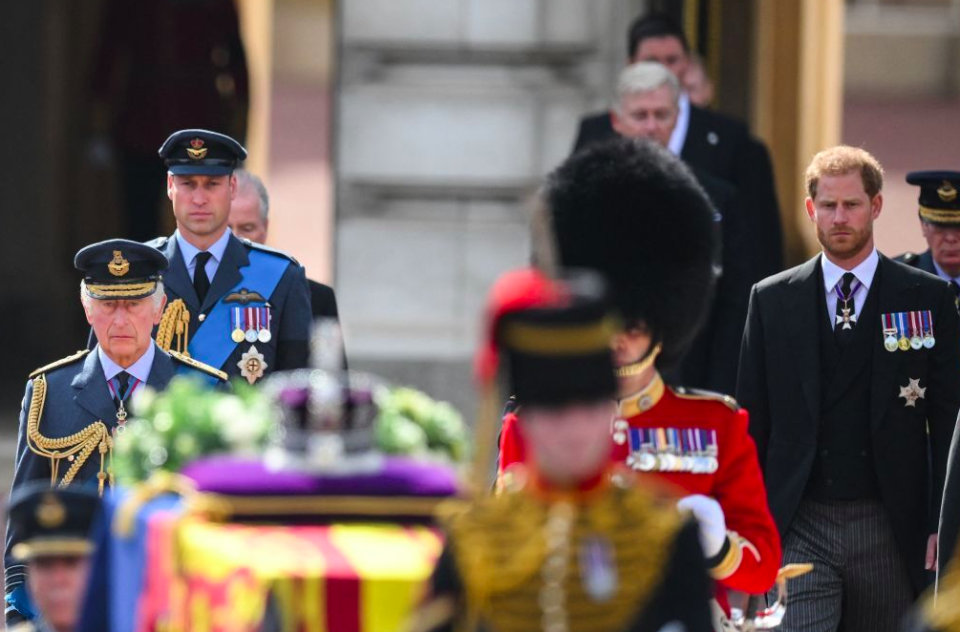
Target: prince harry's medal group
point(904, 331)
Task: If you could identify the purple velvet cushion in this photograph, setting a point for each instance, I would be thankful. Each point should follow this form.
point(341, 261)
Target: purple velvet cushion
point(397, 476)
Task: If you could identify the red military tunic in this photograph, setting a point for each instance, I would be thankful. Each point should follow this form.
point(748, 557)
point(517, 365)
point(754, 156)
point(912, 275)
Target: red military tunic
point(686, 430)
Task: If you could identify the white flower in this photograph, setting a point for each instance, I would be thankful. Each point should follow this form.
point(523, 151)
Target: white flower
point(243, 431)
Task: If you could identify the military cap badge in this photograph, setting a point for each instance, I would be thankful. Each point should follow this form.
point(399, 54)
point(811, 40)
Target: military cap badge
point(946, 192)
point(119, 266)
point(196, 150)
point(50, 512)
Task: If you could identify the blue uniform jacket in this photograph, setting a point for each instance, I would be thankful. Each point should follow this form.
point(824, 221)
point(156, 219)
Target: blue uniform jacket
point(289, 304)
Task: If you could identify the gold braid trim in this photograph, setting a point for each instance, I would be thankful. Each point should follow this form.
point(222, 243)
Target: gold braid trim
point(80, 444)
point(174, 322)
point(501, 549)
point(731, 561)
point(118, 290)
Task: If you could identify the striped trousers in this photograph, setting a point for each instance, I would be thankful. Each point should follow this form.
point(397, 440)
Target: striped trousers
point(859, 582)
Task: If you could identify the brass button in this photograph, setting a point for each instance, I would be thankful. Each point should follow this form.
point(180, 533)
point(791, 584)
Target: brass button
point(202, 317)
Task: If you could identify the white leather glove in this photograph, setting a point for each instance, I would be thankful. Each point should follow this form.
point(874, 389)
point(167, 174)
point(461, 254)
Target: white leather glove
point(709, 515)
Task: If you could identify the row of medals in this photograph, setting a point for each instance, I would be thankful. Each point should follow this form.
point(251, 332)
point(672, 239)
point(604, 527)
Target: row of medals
point(892, 343)
point(251, 335)
point(647, 460)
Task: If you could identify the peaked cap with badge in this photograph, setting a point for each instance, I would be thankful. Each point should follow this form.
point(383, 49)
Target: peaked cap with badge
point(939, 202)
point(201, 152)
point(120, 269)
point(54, 522)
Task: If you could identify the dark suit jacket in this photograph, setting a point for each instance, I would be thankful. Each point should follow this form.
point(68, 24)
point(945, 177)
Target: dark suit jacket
point(288, 347)
point(724, 148)
point(779, 383)
point(711, 362)
point(922, 261)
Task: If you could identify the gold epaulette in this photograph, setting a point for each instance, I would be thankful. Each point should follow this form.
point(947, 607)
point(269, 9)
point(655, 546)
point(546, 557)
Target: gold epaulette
point(697, 394)
point(59, 363)
point(200, 366)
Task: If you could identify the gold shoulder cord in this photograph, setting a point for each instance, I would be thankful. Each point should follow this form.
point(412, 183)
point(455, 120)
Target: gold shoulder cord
point(79, 445)
point(174, 322)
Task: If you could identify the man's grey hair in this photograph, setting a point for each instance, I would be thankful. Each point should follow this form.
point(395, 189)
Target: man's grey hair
point(157, 295)
point(644, 76)
point(247, 179)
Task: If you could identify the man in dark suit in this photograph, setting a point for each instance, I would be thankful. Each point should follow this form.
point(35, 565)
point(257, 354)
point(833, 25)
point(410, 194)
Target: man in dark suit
point(233, 304)
point(849, 368)
point(720, 145)
point(249, 219)
point(645, 106)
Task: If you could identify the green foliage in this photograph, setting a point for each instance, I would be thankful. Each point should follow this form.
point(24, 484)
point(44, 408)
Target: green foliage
point(189, 420)
point(411, 422)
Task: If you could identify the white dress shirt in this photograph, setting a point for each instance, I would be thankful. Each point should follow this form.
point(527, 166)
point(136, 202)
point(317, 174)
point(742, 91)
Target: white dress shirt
point(832, 273)
point(139, 370)
point(679, 135)
point(190, 252)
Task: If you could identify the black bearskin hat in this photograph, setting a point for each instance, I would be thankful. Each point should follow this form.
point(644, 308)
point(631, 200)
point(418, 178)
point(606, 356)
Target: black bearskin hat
point(632, 211)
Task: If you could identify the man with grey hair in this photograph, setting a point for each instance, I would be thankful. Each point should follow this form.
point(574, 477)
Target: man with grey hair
point(646, 105)
point(249, 219)
point(72, 407)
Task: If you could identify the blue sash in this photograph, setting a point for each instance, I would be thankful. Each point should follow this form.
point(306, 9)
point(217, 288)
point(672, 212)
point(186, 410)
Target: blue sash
point(262, 276)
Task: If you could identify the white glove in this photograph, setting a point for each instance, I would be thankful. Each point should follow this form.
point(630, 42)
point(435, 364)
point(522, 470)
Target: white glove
point(713, 526)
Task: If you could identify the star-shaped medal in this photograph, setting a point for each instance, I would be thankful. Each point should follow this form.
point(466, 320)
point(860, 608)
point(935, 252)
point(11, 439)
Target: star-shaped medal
point(847, 320)
point(912, 392)
point(252, 364)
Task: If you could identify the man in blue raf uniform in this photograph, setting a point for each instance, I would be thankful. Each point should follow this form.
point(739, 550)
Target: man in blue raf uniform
point(56, 526)
point(939, 214)
point(234, 304)
point(73, 406)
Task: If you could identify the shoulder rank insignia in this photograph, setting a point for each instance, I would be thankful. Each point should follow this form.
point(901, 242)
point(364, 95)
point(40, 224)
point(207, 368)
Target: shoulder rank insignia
point(698, 394)
point(59, 363)
point(196, 364)
point(243, 297)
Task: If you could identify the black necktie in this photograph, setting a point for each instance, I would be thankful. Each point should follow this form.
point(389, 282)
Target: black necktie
point(846, 314)
point(123, 380)
point(201, 283)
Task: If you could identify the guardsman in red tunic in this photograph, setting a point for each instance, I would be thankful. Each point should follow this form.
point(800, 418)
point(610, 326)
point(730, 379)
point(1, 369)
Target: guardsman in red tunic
point(651, 235)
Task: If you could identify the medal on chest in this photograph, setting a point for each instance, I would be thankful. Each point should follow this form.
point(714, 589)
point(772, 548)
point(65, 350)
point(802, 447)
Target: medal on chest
point(252, 364)
point(682, 450)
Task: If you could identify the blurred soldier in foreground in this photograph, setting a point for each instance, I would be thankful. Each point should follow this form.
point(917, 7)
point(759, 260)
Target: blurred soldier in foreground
point(571, 543)
point(72, 407)
point(56, 526)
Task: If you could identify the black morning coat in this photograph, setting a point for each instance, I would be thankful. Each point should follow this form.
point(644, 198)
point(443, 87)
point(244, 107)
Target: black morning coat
point(779, 383)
